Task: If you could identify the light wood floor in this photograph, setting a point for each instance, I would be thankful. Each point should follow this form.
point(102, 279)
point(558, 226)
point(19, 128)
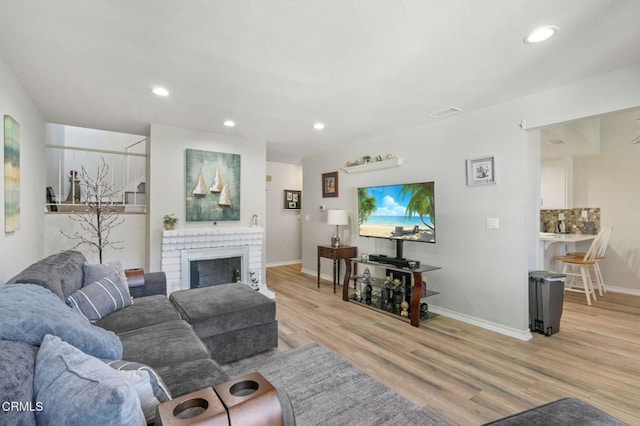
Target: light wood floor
point(467, 374)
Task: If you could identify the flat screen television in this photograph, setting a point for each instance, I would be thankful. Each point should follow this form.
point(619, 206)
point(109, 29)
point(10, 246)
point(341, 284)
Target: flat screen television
point(402, 212)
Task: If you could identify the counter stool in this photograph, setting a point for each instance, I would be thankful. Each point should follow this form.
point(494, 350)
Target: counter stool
point(603, 242)
point(578, 267)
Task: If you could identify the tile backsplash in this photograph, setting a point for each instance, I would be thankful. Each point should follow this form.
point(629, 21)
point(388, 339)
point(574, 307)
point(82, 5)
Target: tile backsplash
point(572, 217)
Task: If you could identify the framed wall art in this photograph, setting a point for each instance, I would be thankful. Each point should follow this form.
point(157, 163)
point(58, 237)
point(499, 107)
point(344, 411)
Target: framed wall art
point(481, 171)
point(11, 174)
point(212, 186)
point(292, 199)
point(330, 184)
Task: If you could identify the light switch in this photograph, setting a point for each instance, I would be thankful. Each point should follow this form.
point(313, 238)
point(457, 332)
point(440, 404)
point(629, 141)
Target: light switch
point(493, 223)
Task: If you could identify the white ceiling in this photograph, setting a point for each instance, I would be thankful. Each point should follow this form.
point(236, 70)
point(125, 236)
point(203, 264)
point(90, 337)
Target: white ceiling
point(363, 67)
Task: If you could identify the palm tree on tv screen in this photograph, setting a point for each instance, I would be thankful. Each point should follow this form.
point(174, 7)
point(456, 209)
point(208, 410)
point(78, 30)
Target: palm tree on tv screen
point(366, 203)
point(421, 201)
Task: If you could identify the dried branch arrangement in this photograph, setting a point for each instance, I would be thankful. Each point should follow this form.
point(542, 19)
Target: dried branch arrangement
point(99, 215)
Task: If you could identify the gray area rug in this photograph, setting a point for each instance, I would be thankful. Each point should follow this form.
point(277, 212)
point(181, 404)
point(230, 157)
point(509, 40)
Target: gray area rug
point(325, 389)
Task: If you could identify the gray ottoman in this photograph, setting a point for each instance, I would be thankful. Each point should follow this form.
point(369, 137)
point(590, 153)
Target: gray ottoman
point(233, 320)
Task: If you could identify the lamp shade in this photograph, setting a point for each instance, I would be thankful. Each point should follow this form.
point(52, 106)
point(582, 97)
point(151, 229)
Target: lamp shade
point(337, 217)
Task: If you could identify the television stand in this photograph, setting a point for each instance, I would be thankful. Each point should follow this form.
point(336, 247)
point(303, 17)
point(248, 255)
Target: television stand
point(399, 262)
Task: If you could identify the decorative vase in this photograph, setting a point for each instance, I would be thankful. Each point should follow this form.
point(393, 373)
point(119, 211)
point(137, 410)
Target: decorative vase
point(169, 227)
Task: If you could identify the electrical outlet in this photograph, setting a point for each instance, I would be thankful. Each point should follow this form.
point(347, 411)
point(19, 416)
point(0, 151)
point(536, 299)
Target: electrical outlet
point(561, 216)
point(585, 214)
point(493, 223)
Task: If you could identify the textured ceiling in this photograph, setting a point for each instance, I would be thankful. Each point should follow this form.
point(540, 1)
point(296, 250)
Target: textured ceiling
point(363, 67)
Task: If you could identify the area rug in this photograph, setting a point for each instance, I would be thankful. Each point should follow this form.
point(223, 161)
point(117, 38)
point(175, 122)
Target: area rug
point(325, 389)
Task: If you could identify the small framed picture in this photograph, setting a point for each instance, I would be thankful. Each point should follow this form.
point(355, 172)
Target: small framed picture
point(292, 199)
point(481, 171)
point(330, 184)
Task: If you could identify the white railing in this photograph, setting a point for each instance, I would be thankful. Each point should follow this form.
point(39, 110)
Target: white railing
point(126, 173)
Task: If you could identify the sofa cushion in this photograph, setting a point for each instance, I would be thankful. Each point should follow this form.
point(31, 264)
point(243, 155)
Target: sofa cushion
point(102, 297)
point(151, 389)
point(190, 376)
point(29, 312)
point(94, 271)
point(78, 389)
point(17, 365)
point(163, 344)
point(145, 311)
point(221, 308)
point(61, 273)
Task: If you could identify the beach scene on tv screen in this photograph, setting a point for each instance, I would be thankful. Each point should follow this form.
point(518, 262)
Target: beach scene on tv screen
point(403, 211)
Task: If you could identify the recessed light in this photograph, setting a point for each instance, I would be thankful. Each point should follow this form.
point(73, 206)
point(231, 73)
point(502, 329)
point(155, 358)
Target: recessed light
point(229, 123)
point(541, 34)
point(160, 91)
point(318, 126)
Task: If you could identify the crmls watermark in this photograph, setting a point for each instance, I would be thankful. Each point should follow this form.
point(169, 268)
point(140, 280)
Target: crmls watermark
point(7, 406)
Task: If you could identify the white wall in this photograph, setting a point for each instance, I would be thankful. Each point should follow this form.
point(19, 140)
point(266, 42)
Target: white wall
point(166, 179)
point(24, 246)
point(484, 275)
point(283, 227)
point(610, 181)
point(130, 235)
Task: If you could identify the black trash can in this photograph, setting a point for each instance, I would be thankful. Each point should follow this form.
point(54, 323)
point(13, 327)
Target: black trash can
point(546, 296)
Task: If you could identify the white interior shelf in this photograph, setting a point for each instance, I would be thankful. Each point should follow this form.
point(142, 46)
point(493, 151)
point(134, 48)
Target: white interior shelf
point(375, 165)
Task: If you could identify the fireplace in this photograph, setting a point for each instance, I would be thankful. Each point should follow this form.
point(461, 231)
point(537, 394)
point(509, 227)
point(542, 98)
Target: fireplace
point(213, 266)
point(226, 242)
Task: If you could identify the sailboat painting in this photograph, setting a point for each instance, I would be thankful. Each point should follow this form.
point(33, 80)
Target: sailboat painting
point(212, 186)
point(11, 174)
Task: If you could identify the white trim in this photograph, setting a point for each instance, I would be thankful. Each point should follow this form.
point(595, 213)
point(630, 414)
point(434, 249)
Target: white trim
point(283, 263)
point(524, 335)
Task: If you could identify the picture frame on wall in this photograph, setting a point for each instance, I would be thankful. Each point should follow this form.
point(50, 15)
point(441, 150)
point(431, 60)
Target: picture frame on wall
point(292, 199)
point(481, 171)
point(330, 184)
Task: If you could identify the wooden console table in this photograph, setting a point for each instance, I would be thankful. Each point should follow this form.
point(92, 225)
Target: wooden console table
point(336, 253)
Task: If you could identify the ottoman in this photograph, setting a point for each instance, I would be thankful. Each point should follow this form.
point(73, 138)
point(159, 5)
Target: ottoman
point(233, 320)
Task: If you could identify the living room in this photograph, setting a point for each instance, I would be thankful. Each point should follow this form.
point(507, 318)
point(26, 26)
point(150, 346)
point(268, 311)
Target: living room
point(483, 280)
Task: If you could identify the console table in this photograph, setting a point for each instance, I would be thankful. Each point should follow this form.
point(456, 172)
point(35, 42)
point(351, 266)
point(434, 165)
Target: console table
point(336, 253)
point(415, 297)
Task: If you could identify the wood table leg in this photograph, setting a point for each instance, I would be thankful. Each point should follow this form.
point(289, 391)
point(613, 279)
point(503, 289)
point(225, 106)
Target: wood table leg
point(347, 277)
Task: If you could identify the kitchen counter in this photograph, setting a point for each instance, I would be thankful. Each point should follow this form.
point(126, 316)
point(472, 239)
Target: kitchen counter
point(548, 253)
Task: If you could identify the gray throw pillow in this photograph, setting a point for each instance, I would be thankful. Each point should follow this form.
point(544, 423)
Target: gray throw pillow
point(28, 312)
point(17, 365)
point(94, 271)
point(101, 298)
point(149, 385)
point(77, 389)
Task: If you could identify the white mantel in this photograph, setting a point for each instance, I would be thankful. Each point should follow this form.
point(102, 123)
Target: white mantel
point(174, 242)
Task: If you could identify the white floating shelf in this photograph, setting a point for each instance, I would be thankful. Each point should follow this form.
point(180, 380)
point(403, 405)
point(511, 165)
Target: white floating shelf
point(375, 165)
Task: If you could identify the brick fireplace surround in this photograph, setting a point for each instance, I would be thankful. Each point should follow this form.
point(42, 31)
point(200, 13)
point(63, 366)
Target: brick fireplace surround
point(176, 241)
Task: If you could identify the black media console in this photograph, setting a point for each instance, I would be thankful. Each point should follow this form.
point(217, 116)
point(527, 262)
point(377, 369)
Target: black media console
point(399, 262)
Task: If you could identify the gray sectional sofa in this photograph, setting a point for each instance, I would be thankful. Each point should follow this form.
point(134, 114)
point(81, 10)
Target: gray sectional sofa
point(150, 331)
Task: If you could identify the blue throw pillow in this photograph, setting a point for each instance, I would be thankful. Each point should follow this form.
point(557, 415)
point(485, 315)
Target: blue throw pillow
point(28, 312)
point(77, 389)
point(101, 298)
point(17, 365)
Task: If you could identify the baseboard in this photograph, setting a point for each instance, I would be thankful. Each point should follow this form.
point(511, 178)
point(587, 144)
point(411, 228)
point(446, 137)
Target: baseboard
point(623, 290)
point(322, 276)
point(283, 263)
point(523, 335)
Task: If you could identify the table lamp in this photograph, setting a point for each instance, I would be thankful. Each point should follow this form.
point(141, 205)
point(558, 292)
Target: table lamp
point(337, 218)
